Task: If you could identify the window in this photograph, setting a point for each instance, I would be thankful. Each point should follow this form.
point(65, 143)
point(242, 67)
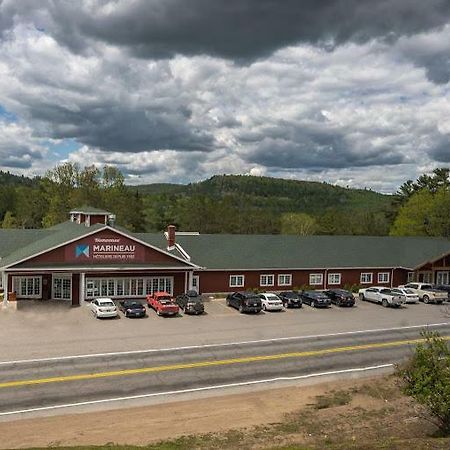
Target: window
point(410, 277)
point(334, 278)
point(284, 279)
point(127, 287)
point(315, 279)
point(267, 280)
point(28, 287)
point(366, 277)
point(237, 280)
point(383, 277)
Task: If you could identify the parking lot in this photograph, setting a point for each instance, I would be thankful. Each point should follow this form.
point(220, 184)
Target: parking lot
point(42, 329)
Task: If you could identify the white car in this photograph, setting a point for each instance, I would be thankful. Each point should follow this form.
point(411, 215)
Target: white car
point(410, 295)
point(271, 302)
point(381, 295)
point(427, 293)
point(104, 307)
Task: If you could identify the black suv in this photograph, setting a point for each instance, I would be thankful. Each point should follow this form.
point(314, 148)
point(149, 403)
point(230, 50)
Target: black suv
point(316, 299)
point(340, 297)
point(191, 302)
point(244, 301)
point(291, 299)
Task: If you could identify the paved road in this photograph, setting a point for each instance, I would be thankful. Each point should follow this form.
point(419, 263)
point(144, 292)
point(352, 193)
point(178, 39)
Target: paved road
point(47, 383)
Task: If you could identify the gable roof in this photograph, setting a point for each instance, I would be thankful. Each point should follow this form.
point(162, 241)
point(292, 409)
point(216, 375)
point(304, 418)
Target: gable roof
point(60, 235)
point(54, 237)
point(250, 252)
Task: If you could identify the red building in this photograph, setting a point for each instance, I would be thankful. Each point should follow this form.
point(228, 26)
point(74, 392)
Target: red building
point(89, 256)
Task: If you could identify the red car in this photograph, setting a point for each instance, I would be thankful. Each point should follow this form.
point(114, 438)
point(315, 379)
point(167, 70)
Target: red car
point(163, 304)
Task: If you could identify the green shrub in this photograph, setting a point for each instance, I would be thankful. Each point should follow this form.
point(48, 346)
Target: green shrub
point(352, 287)
point(426, 378)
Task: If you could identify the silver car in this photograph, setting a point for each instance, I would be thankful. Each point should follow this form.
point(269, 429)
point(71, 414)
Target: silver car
point(410, 295)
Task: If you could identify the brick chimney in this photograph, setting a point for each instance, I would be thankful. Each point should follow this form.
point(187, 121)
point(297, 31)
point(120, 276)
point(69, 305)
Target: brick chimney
point(171, 236)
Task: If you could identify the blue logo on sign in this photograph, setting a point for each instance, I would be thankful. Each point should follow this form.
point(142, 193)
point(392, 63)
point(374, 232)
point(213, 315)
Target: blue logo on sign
point(82, 250)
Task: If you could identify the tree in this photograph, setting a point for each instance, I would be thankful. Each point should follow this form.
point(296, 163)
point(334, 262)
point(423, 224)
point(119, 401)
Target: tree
point(9, 220)
point(426, 378)
point(439, 179)
point(298, 223)
point(413, 217)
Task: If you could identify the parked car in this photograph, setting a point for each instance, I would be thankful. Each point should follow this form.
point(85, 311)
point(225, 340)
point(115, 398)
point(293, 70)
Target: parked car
point(290, 299)
point(410, 295)
point(381, 295)
point(244, 301)
point(316, 299)
point(271, 302)
point(443, 287)
point(340, 297)
point(103, 307)
point(132, 308)
point(163, 303)
point(191, 302)
point(427, 293)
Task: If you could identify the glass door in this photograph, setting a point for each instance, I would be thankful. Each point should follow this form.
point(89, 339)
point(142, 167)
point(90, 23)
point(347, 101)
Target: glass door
point(62, 287)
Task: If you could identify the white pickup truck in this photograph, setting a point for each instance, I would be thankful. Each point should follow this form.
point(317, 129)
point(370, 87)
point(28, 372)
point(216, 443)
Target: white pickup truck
point(381, 295)
point(427, 293)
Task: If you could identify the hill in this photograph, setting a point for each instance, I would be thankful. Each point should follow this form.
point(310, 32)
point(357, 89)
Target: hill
point(249, 204)
point(9, 179)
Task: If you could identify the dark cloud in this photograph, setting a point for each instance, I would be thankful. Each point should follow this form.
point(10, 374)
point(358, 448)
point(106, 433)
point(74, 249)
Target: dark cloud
point(440, 151)
point(236, 29)
point(113, 127)
point(318, 149)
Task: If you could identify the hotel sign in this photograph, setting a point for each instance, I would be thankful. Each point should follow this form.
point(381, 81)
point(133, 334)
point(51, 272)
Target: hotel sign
point(112, 248)
point(106, 249)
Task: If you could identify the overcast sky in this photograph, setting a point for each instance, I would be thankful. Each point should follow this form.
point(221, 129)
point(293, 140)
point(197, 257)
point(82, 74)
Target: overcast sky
point(352, 92)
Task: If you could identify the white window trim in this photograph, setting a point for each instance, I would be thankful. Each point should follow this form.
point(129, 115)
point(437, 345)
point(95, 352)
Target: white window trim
point(236, 285)
point(386, 274)
point(286, 275)
point(366, 282)
point(267, 275)
point(330, 275)
point(129, 295)
point(33, 296)
point(320, 275)
point(66, 276)
point(410, 277)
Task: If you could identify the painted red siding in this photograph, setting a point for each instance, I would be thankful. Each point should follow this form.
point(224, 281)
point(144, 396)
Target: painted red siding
point(218, 281)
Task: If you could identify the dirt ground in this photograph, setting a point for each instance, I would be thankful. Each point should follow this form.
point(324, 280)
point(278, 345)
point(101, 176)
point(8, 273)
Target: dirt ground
point(365, 413)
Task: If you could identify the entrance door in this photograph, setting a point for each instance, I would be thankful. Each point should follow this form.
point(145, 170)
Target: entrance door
point(442, 277)
point(62, 287)
point(196, 283)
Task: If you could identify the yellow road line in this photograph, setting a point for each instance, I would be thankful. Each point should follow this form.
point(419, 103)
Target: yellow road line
point(211, 363)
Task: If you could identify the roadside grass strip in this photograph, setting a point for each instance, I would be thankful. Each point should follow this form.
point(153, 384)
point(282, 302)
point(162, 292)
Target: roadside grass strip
point(211, 363)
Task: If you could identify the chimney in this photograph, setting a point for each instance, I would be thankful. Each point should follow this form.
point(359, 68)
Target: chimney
point(171, 236)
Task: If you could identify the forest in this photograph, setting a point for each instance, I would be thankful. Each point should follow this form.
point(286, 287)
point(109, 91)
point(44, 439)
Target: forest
point(228, 204)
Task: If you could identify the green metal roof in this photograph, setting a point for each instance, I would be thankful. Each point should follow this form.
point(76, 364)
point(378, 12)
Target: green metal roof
point(224, 251)
point(247, 252)
point(49, 239)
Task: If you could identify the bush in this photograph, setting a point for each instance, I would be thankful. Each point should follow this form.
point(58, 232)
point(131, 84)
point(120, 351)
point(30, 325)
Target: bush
point(426, 378)
point(352, 287)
